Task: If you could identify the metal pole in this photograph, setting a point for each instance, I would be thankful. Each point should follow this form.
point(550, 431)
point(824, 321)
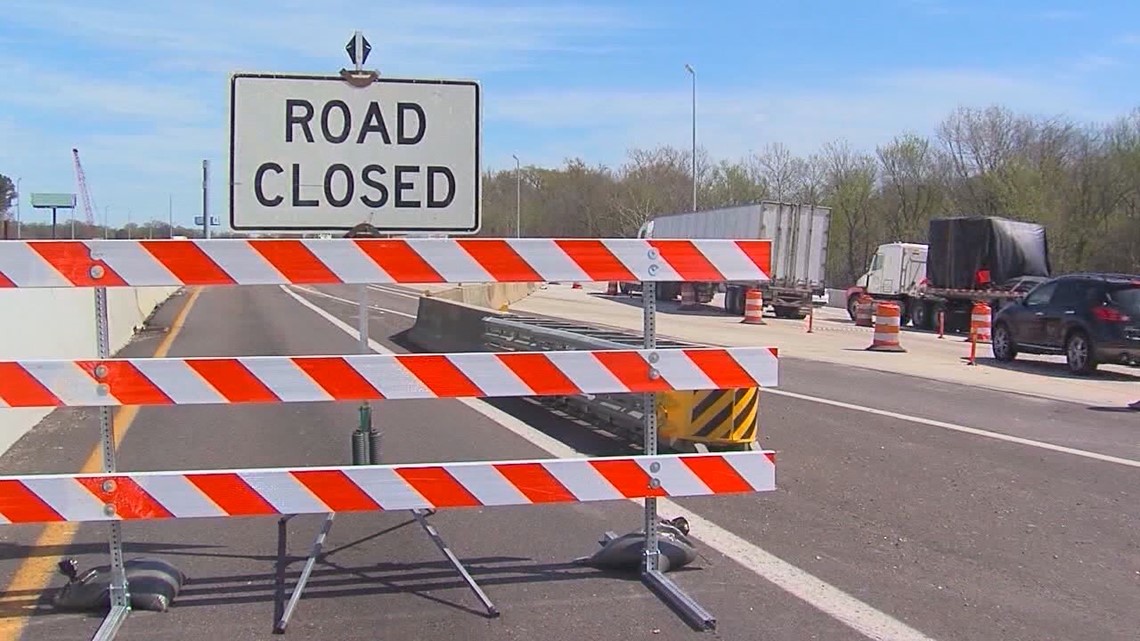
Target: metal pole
point(53, 221)
point(518, 197)
point(106, 222)
point(649, 322)
point(170, 215)
point(19, 199)
point(693, 73)
point(205, 199)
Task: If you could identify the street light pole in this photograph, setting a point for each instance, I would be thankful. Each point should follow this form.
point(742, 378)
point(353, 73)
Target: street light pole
point(19, 200)
point(518, 197)
point(693, 73)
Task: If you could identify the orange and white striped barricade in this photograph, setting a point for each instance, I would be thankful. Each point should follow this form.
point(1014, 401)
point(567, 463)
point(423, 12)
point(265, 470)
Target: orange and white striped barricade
point(888, 323)
point(865, 311)
point(753, 307)
point(106, 382)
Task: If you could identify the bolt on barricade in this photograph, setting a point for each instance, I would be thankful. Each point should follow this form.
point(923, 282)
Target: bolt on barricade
point(116, 496)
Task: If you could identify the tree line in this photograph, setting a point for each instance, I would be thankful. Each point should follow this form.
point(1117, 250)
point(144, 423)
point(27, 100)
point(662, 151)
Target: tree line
point(1081, 180)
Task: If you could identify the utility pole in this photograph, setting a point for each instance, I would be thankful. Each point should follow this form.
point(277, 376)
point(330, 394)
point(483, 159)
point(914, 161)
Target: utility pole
point(693, 73)
point(19, 199)
point(518, 197)
point(205, 199)
point(170, 215)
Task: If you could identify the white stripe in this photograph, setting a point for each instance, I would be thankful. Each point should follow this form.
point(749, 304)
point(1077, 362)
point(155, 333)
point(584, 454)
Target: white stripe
point(487, 484)
point(676, 477)
point(814, 591)
point(490, 375)
point(178, 495)
point(754, 467)
point(282, 376)
point(582, 480)
point(761, 364)
point(729, 259)
point(69, 382)
point(387, 488)
point(635, 257)
point(284, 492)
point(26, 268)
point(347, 260)
point(681, 372)
point(4, 403)
point(450, 260)
point(241, 262)
point(178, 381)
point(136, 265)
point(393, 291)
point(3, 519)
point(67, 497)
point(586, 371)
point(547, 258)
point(387, 375)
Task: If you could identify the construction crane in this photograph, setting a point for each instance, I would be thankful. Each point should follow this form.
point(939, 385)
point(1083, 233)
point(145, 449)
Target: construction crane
point(81, 186)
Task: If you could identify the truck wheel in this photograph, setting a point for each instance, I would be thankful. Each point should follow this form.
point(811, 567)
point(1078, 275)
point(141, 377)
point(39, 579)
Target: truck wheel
point(852, 303)
point(1003, 346)
point(920, 315)
point(1079, 353)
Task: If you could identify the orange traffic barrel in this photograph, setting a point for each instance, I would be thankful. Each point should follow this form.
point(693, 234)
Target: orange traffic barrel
point(980, 323)
point(888, 322)
point(864, 311)
point(753, 307)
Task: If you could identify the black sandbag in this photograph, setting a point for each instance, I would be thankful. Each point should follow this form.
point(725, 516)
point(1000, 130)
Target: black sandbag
point(153, 585)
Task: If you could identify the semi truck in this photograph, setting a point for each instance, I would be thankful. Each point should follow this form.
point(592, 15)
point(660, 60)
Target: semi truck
point(799, 252)
point(968, 259)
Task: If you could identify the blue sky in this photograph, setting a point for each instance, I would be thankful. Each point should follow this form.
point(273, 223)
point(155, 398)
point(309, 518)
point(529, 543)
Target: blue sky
point(140, 88)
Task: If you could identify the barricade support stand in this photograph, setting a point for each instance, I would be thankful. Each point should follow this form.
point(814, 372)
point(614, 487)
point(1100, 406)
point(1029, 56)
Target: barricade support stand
point(365, 451)
point(660, 584)
point(119, 588)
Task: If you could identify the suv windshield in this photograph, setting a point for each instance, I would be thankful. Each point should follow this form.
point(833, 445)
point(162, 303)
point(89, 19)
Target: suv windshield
point(1126, 297)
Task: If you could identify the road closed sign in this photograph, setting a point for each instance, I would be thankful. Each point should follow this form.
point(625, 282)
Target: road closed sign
point(315, 153)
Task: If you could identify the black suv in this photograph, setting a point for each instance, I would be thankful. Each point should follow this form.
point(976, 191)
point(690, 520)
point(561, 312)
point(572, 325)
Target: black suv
point(1089, 318)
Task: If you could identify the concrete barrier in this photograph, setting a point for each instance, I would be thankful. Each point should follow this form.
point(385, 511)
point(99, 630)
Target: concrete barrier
point(489, 295)
point(60, 323)
point(444, 325)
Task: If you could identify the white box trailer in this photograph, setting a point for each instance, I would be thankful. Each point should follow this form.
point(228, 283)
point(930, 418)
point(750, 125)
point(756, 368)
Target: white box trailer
point(799, 235)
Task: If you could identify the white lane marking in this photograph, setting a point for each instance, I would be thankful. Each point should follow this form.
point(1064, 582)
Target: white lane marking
point(393, 291)
point(346, 301)
point(871, 623)
point(959, 428)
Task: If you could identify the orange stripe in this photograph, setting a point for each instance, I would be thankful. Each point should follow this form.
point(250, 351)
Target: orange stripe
point(536, 483)
point(440, 376)
point(539, 374)
point(438, 487)
point(632, 370)
point(594, 259)
point(338, 378)
point(187, 262)
point(18, 504)
point(716, 473)
point(500, 260)
point(721, 368)
point(129, 499)
point(336, 490)
point(295, 262)
point(233, 495)
point(233, 380)
point(18, 388)
point(627, 477)
point(127, 383)
point(689, 263)
point(400, 261)
point(759, 252)
point(72, 259)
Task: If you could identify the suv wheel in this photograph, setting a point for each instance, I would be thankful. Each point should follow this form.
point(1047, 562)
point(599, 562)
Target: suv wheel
point(1079, 354)
point(1003, 347)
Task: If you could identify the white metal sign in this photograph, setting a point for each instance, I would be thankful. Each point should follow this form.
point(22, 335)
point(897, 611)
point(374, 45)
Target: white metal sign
point(315, 153)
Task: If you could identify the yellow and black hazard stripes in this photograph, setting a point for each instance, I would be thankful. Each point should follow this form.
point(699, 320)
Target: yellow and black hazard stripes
point(725, 416)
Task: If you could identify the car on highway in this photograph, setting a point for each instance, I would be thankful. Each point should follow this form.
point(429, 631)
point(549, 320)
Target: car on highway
point(1090, 318)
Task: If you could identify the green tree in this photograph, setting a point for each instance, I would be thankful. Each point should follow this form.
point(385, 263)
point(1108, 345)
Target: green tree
point(7, 196)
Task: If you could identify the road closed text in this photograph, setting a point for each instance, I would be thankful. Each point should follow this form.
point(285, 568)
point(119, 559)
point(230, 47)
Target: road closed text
point(403, 159)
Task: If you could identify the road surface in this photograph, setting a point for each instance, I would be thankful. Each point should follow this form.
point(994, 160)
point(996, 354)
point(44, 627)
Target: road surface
point(888, 524)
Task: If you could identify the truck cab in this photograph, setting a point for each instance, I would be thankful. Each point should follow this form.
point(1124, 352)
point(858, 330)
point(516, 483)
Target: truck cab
point(896, 271)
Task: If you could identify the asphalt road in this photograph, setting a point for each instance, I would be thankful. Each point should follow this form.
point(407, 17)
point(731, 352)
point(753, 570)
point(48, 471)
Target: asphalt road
point(955, 535)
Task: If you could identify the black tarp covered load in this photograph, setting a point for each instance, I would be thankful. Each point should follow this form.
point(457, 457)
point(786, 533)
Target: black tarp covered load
point(960, 248)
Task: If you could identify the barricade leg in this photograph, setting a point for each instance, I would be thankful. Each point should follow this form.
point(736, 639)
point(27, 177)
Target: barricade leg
point(119, 589)
point(651, 575)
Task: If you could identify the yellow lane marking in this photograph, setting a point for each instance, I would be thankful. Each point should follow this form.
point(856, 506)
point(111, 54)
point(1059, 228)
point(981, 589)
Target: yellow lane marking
point(35, 572)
